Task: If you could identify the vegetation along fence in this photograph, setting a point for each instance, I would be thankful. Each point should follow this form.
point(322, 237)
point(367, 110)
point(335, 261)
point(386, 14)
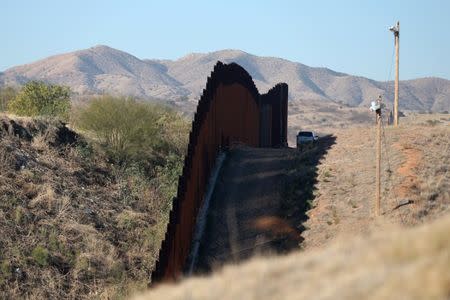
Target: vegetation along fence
point(230, 111)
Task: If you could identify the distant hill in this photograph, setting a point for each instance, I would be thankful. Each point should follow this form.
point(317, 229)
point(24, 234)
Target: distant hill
point(103, 69)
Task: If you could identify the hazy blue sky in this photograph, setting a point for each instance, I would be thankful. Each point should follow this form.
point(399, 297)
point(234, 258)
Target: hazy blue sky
point(346, 36)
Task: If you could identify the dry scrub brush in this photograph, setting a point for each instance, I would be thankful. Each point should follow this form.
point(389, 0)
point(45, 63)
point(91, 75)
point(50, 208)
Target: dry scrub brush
point(73, 225)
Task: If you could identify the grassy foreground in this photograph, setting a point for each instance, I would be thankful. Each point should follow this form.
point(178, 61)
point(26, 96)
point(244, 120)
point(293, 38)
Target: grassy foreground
point(394, 264)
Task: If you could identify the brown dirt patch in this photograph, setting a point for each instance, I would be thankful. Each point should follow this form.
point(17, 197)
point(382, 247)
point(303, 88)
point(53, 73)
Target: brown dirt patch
point(408, 169)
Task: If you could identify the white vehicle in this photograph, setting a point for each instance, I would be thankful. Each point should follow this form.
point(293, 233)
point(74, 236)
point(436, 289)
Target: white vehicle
point(306, 138)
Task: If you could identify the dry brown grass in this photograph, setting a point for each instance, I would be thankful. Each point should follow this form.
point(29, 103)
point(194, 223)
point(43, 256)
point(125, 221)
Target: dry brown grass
point(415, 162)
point(393, 264)
point(71, 224)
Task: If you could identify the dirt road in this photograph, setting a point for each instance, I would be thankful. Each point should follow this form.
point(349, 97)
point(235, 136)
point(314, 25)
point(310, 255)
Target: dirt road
point(258, 202)
point(245, 213)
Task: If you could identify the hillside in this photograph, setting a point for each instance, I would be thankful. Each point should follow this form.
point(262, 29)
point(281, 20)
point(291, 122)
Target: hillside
point(73, 225)
point(98, 70)
point(102, 69)
point(414, 173)
point(345, 252)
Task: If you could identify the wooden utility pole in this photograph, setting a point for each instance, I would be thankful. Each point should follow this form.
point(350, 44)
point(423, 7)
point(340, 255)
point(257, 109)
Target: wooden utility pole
point(378, 193)
point(396, 31)
point(376, 106)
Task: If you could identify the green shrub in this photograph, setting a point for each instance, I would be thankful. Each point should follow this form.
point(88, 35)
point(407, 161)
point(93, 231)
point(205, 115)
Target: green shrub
point(5, 269)
point(166, 179)
point(433, 122)
point(40, 256)
point(41, 99)
point(7, 94)
point(18, 217)
point(134, 132)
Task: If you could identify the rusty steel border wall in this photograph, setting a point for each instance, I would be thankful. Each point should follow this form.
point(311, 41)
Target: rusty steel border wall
point(230, 110)
point(274, 108)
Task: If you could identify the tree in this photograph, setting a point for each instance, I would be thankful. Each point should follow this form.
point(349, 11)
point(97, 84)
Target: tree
point(41, 99)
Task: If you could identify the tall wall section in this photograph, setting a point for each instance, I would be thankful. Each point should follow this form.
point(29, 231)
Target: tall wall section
point(229, 111)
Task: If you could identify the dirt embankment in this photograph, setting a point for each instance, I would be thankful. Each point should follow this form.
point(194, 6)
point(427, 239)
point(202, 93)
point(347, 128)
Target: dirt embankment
point(70, 226)
point(415, 181)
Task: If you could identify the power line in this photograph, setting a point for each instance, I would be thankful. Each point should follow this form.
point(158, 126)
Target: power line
point(390, 69)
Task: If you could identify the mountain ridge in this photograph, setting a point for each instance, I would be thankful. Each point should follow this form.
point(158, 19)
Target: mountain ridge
point(102, 69)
